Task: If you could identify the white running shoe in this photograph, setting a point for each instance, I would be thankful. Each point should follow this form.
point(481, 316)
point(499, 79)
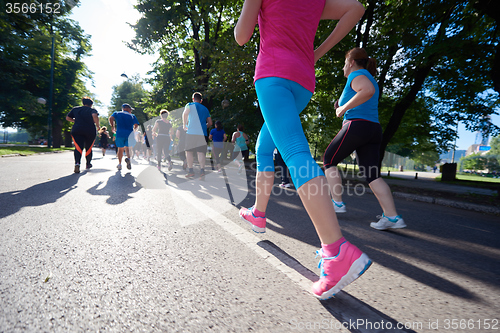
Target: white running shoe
point(119, 166)
point(387, 223)
point(339, 208)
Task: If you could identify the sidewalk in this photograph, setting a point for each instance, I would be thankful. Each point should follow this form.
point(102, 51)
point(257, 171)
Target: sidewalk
point(426, 181)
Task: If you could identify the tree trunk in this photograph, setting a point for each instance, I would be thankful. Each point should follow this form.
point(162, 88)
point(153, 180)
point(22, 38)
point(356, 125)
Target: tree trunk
point(56, 133)
point(68, 141)
point(490, 8)
point(369, 21)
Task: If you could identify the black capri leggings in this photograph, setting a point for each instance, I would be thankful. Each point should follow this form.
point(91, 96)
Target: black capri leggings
point(358, 135)
point(83, 140)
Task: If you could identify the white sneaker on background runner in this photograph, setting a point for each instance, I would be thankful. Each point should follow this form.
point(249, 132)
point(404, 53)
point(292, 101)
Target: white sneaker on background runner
point(388, 223)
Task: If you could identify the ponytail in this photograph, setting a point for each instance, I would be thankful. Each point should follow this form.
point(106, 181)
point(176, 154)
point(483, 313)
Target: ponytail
point(361, 58)
point(371, 66)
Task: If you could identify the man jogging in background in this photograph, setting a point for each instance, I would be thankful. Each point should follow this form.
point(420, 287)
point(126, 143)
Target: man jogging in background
point(125, 123)
point(85, 120)
point(196, 119)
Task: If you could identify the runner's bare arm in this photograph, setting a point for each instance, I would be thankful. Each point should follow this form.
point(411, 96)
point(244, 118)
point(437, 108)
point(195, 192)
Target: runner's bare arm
point(96, 120)
point(247, 21)
point(348, 13)
point(185, 115)
point(364, 91)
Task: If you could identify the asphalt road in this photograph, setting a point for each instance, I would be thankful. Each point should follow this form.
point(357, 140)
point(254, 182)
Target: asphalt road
point(128, 251)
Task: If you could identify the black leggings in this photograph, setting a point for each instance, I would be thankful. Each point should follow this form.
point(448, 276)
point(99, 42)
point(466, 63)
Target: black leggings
point(82, 141)
point(162, 145)
point(358, 135)
point(217, 154)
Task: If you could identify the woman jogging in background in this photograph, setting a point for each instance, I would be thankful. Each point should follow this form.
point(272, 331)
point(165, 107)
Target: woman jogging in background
point(218, 136)
point(284, 82)
point(163, 126)
point(240, 140)
point(104, 141)
point(361, 132)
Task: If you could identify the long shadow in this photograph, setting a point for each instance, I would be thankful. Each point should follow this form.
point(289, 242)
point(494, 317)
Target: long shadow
point(118, 188)
point(213, 185)
point(351, 313)
point(37, 195)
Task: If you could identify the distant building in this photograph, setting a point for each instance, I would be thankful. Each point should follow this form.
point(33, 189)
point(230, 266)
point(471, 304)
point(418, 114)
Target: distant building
point(475, 148)
point(472, 149)
point(447, 157)
point(482, 137)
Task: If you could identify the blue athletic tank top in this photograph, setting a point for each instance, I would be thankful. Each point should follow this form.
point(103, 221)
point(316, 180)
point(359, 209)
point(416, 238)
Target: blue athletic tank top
point(369, 109)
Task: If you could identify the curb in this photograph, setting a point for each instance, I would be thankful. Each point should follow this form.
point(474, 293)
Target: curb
point(41, 153)
point(449, 203)
point(12, 155)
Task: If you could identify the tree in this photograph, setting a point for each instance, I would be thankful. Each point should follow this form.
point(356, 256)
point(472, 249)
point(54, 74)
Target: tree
point(495, 146)
point(474, 162)
point(130, 91)
point(25, 69)
point(440, 52)
point(198, 53)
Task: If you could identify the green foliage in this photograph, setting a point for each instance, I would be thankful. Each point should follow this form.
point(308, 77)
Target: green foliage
point(478, 162)
point(198, 53)
point(132, 92)
point(25, 61)
point(437, 55)
point(495, 146)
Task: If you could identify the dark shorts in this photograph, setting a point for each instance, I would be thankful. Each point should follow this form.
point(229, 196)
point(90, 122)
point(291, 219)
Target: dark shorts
point(358, 135)
point(196, 143)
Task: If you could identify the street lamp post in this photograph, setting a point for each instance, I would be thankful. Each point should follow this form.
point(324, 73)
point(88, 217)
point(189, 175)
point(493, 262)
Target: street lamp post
point(455, 144)
point(51, 92)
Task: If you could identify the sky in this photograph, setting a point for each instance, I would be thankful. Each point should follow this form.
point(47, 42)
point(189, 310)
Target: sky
point(106, 22)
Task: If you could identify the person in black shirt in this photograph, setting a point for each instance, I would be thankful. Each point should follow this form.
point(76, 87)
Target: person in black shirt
point(85, 120)
point(104, 142)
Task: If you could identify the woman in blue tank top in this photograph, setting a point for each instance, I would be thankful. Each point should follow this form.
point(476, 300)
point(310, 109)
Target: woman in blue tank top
point(361, 132)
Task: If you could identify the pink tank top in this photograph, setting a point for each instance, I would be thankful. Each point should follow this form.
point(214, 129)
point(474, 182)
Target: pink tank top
point(287, 29)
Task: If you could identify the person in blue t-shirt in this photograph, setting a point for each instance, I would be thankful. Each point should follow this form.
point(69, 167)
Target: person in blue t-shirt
point(218, 136)
point(361, 132)
point(196, 119)
point(126, 123)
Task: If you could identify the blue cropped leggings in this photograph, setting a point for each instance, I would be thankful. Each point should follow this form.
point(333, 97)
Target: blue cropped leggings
point(281, 101)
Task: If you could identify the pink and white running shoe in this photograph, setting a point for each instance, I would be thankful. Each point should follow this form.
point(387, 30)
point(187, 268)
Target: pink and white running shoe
point(258, 223)
point(339, 271)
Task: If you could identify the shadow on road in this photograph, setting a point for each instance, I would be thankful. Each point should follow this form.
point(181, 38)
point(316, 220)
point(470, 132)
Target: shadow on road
point(352, 313)
point(37, 195)
point(118, 188)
